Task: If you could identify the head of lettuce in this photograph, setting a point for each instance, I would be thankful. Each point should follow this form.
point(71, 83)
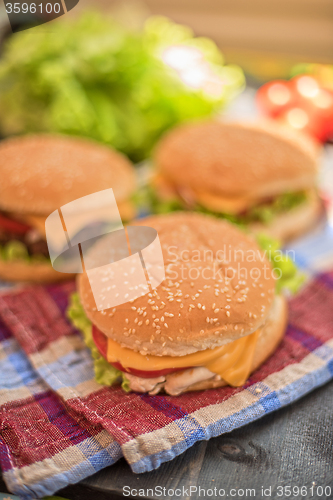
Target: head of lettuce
point(95, 77)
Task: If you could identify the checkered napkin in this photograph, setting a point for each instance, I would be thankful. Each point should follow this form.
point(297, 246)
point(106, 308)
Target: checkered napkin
point(58, 426)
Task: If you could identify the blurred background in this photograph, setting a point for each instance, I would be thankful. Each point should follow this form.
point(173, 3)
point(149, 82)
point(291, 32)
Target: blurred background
point(265, 38)
point(118, 72)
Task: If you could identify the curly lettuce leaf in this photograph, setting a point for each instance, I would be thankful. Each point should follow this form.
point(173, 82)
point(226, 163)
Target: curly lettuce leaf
point(105, 374)
point(265, 212)
point(94, 77)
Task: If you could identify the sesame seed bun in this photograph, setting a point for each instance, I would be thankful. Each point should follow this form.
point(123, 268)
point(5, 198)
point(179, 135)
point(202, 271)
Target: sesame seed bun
point(269, 338)
point(40, 173)
point(238, 159)
point(218, 287)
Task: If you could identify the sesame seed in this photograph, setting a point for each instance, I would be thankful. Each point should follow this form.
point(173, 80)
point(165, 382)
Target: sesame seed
point(136, 320)
point(133, 331)
point(203, 308)
point(202, 331)
point(126, 320)
point(216, 310)
point(166, 326)
point(147, 321)
point(227, 313)
point(199, 306)
point(133, 308)
point(140, 323)
point(207, 320)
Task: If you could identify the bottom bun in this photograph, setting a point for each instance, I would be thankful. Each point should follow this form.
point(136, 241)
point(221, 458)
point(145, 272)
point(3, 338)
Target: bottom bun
point(294, 223)
point(32, 273)
point(268, 340)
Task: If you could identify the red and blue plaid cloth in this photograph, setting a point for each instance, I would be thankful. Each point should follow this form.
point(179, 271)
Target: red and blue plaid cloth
point(58, 426)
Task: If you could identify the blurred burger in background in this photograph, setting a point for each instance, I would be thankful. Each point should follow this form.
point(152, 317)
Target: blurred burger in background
point(259, 175)
point(39, 174)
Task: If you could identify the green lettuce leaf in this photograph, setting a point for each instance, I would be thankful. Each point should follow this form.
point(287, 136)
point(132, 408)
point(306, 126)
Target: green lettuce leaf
point(149, 200)
point(15, 250)
point(94, 77)
point(289, 276)
point(105, 373)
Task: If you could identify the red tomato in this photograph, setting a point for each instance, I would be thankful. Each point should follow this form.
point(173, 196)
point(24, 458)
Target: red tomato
point(275, 97)
point(12, 225)
point(101, 342)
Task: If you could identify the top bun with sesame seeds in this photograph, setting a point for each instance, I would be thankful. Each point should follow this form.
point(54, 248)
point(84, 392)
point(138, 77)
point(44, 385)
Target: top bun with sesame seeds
point(40, 173)
point(219, 287)
point(238, 159)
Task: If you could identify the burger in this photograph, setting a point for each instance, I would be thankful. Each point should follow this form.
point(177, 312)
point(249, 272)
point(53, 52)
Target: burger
point(217, 316)
point(259, 175)
point(39, 174)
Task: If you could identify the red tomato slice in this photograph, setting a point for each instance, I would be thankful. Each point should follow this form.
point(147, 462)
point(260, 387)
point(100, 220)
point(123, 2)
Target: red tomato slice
point(13, 226)
point(101, 342)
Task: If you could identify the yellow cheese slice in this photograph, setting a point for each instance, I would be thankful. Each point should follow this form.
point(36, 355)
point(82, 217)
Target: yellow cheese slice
point(215, 202)
point(220, 203)
point(232, 361)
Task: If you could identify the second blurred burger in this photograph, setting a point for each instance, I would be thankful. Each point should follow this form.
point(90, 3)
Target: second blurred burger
point(39, 174)
point(258, 175)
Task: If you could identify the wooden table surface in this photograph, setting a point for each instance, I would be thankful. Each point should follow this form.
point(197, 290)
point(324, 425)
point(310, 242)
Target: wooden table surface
point(290, 447)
